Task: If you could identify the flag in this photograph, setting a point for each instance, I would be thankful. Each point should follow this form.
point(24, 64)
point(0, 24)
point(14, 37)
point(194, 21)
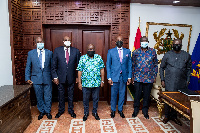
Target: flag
point(135, 46)
point(195, 75)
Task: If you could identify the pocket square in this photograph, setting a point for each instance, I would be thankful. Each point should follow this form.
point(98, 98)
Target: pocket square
point(126, 55)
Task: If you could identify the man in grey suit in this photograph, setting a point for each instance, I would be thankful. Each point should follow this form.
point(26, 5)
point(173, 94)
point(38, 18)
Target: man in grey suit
point(177, 65)
point(38, 73)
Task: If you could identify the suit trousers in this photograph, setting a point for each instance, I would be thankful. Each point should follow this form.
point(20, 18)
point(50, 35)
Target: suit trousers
point(61, 97)
point(118, 87)
point(44, 97)
point(146, 88)
point(86, 97)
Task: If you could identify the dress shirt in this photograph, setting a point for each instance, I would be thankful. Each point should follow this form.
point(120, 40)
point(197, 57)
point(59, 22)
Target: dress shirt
point(91, 70)
point(43, 56)
point(65, 48)
point(145, 65)
point(121, 52)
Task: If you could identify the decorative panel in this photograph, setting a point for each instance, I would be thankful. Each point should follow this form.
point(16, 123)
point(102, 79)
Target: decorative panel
point(28, 16)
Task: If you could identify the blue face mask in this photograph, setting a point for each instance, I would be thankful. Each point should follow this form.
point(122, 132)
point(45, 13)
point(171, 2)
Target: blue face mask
point(144, 44)
point(40, 45)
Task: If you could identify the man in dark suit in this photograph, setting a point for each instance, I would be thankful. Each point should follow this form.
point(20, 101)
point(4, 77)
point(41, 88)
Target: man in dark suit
point(119, 73)
point(38, 73)
point(64, 74)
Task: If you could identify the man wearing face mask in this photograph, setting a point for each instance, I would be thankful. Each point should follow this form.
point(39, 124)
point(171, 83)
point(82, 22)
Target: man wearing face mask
point(38, 73)
point(145, 69)
point(177, 66)
point(119, 73)
point(63, 71)
point(91, 77)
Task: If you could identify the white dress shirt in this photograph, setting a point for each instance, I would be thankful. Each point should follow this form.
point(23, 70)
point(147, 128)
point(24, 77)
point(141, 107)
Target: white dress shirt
point(121, 51)
point(65, 52)
point(43, 56)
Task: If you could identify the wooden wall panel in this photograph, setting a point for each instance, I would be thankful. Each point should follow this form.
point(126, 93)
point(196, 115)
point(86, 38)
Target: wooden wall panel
point(28, 17)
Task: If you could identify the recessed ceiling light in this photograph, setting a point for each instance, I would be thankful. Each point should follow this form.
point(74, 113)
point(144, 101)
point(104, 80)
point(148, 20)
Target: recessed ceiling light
point(176, 1)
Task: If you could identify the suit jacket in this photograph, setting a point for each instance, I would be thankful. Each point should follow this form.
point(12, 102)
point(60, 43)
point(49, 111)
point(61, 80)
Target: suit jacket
point(60, 69)
point(33, 70)
point(114, 66)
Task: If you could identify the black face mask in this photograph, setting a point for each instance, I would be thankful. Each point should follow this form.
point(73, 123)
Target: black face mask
point(177, 47)
point(119, 44)
point(90, 53)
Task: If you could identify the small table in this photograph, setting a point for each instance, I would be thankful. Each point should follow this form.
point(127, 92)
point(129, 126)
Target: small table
point(15, 112)
point(178, 101)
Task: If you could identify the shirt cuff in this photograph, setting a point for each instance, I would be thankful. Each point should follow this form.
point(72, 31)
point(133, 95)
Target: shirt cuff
point(129, 78)
point(56, 78)
point(109, 78)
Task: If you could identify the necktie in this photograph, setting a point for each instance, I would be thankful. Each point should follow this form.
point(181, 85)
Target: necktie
point(120, 55)
point(40, 59)
point(67, 56)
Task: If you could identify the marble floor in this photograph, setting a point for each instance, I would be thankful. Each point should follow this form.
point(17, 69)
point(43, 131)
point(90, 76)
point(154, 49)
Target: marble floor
point(66, 124)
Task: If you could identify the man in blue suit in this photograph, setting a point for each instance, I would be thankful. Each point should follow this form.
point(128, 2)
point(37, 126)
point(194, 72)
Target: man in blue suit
point(119, 73)
point(38, 73)
point(63, 71)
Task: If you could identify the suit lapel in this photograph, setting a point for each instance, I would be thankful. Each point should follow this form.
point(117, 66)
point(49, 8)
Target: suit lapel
point(36, 57)
point(46, 56)
point(124, 55)
point(62, 53)
point(117, 54)
point(71, 54)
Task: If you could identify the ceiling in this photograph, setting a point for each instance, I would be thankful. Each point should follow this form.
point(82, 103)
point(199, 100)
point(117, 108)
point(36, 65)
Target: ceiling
point(195, 3)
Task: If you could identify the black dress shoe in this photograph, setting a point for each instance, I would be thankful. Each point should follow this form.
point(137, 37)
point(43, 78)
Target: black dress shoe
point(41, 116)
point(165, 120)
point(135, 113)
point(49, 116)
point(177, 121)
point(145, 115)
point(112, 114)
point(73, 115)
point(85, 117)
point(58, 114)
point(96, 116)
point(121, 114)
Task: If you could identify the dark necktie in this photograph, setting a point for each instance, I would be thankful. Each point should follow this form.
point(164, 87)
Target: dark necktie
point(40, 58)
point(67, 56)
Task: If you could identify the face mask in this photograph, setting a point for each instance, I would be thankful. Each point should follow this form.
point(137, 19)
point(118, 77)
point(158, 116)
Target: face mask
point(176, 47)
point(67, 43)
point(144, 44)
point(90, 53)
point(119, 44)
point(40, 45)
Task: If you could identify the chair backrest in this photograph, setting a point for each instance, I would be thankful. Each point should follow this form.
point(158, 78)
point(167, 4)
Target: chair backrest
point(195, 107)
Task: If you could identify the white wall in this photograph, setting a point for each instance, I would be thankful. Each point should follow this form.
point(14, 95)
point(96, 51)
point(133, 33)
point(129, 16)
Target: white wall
point(163, 14)
point(6, 77)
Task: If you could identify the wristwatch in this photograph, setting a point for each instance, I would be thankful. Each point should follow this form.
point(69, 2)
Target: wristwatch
point(102, 81)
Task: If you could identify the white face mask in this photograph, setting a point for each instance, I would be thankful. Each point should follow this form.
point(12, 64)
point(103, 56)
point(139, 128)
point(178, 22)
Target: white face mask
point(144, 44)
point(67, 43)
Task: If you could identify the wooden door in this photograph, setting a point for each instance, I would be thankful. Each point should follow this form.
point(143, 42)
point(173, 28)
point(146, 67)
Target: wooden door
point(81, 36)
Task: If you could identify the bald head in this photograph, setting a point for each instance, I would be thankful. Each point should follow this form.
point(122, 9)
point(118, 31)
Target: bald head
point(177, 41)
point(66, 38)
point(144, 39)
point(91, 47)
point(119, 38)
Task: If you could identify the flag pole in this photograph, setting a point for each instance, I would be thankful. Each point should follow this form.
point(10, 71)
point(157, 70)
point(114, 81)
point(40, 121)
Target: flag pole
point(139, 22)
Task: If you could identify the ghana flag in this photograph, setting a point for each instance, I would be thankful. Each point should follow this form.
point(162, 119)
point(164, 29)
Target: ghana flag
point(136, 46)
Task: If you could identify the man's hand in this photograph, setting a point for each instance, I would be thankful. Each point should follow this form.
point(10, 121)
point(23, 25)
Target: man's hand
point(29, 82)
point(132, 80)
point(110, 82)
point(163, 84)
point(80, 85)
point(154, 80)
point(102, 84)
point(76, 80)
point(129, 82)
point(56, 81)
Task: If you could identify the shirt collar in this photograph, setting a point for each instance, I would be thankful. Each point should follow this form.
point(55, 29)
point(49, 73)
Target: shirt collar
point(38, 50)
point(65, 48)
point(119, 48)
